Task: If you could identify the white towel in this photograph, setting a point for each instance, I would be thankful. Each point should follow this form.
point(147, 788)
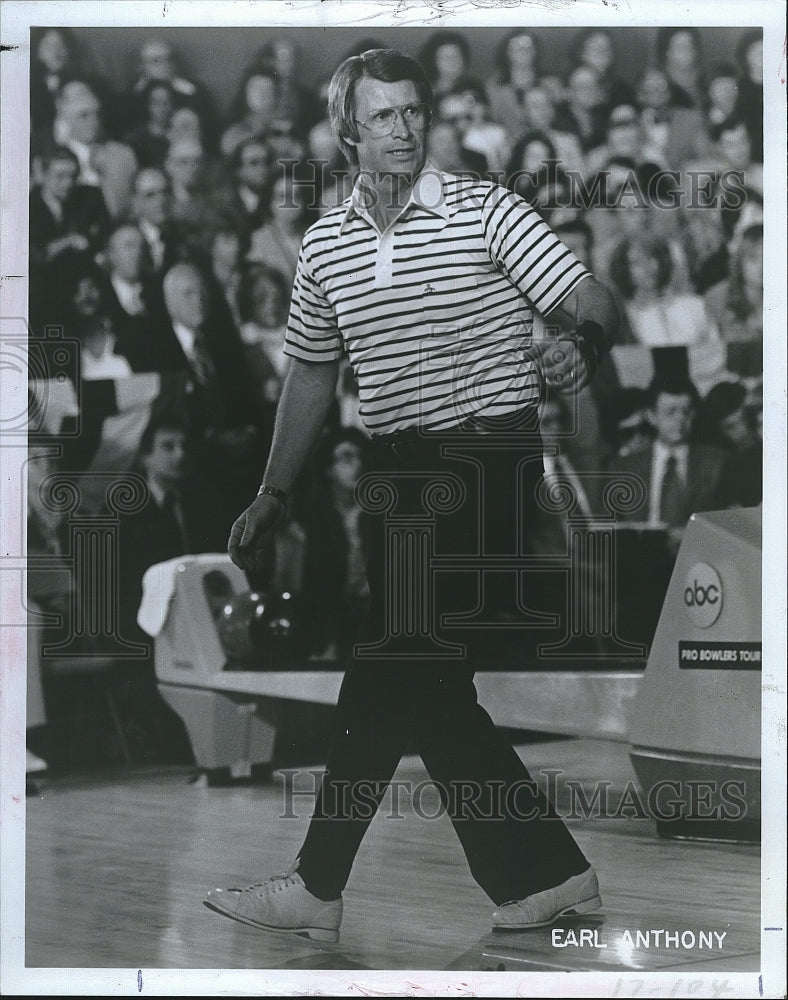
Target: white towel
point(158, 588)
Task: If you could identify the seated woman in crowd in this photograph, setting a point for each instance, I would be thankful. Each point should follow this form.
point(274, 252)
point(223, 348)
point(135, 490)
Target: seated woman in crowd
point(594, 48)
point(583, 113)
point(53, 60)
point(255, 109)
point(150, 139)
point(736, 304)
point(446, 59)
point(516, 72)
point(157, 60)
point(542, 182)
point(676, 134)
point(641, 269)
point(722, 93)
point(264, 298)
point(277, 242)
point(297, 105)
point(539, 114)
point(679, 56)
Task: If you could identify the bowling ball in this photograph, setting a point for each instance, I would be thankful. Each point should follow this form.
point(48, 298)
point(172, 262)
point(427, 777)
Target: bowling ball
point(258, 630)
point(233, 623)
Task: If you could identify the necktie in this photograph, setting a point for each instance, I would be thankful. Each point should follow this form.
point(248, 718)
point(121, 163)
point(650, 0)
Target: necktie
point(202, 364)
point(173, 523)
point(673, 498)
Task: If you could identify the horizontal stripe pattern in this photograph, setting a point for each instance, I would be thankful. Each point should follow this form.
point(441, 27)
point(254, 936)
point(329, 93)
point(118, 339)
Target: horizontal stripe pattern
point(436, 314)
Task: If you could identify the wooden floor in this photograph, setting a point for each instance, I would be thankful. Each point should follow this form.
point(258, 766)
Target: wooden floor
point(117, 867)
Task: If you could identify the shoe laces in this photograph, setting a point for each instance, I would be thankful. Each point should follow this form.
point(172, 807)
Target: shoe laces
point(275, 884)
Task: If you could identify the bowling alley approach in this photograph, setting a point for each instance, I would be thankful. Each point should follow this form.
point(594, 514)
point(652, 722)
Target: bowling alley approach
point(668, 812)
point(393, 592)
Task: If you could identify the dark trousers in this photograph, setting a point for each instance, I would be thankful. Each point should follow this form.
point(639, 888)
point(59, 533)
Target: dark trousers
point(435, 507)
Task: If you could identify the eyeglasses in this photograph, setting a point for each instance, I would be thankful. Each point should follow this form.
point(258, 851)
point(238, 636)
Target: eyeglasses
point(383, 122)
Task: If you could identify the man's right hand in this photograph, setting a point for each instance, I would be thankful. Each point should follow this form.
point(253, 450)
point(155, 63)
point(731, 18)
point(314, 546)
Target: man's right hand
point(252, 534)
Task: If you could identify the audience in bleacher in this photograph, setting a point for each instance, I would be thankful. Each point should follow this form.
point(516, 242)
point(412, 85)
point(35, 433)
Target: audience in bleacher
point(164, 237)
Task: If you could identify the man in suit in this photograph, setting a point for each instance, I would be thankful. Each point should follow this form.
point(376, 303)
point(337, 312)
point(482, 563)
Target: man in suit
point(219, 397)
point(103, 163)
point(151, 210)
point(64, 215)
point(245, 199)
point(679, 476)
point(174, 521)
point(129, 294)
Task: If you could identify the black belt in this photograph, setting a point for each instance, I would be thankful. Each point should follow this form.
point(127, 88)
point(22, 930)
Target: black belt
point(415, 441)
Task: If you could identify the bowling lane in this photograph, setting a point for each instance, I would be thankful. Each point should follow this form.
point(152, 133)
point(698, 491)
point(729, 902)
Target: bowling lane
point(117, 870)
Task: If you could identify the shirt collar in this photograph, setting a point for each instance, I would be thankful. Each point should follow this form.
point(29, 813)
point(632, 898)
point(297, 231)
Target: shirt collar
point(428, 193)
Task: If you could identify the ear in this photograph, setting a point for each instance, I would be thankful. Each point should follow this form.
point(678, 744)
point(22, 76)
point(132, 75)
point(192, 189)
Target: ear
point(349, 140)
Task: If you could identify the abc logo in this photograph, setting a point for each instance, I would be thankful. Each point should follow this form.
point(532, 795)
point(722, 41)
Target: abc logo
point(703, 595)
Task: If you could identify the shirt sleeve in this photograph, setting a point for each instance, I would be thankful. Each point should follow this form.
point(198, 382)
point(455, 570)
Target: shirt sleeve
point(527, 251)
point(312, 330)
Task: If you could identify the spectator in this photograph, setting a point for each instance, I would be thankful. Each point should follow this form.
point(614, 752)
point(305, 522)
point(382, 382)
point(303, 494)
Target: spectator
point(446, 151)
point(734, 148)
point(255, 109)
point(150, 139)
point(332, 178)
point(594, 48)
point(632, 431)
point(53, 61)
point(212, 355)
point(516, 71)
point(185, 123)
point(151, 209)
point(98, 359)
point(185, 166)
point(176, 520)
point(679, 55)
point(534, 169)
point(466, 106)
point(277, 242)
point(701, 250)
point(246, 197)
point(264, 298)
point(736, 304)
point(749, 57)
point(157, 61)
point(446, 59)
point(624, 140)
point(130, 296)
point(722, 94)
point(64, 215)
point(641, 270)
point(680, 476)
point(539, 115)
point(674, 133)
point(227, 248)
point(103, 163)
point(724, 419)
point(335, 586)
point(297, 105)
point(583, 113)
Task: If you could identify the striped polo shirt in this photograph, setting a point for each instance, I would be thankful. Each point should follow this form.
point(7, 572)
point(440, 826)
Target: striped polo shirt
point(436, 312)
